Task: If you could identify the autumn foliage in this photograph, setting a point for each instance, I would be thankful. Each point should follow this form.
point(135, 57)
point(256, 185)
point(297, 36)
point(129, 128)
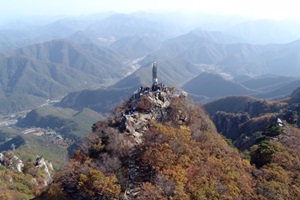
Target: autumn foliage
point(181, 157)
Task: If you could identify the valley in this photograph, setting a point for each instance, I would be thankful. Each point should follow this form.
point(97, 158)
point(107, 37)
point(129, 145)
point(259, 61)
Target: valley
point(79, 93)
point(71, 63)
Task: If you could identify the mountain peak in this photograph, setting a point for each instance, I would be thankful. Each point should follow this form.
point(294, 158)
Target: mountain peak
point(154, 143)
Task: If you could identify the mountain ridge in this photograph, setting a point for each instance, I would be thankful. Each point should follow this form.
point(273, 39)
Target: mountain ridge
point(45, 70)
point(218, 86)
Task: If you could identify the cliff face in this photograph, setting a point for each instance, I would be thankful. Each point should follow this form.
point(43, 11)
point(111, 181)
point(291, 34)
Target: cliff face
point(157, 145)
point(242, 118)
point(267, 133)
point(226, 123)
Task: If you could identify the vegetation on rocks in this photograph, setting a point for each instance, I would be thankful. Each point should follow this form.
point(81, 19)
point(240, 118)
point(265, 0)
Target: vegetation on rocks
point(21, 180)
point(168, 148)
point(179, 156)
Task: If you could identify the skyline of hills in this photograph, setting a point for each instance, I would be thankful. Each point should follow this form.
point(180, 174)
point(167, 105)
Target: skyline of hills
point(212, 85)
point(267, 31)
point(51, 70)
point(21, 32)
point(92, 52)
point(223, 123)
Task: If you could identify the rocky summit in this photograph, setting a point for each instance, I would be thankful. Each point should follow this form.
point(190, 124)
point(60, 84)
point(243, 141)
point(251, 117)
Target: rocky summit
point(159, 145)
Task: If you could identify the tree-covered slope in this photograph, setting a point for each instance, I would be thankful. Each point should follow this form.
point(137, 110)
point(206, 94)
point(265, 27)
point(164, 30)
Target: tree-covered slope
point(166, 147)
point(213, 85)
point(267, 133)
point(53, 69)
point(162, 145)
point(100, 100)
point(70, 123)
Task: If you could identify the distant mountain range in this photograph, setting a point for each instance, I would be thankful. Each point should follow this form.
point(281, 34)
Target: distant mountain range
point(265, 86)
point(267, 31)
point(52, 69)
point(51, 60)
point(205, 87)
point(234, 58)
point(246, 75)
point(212, 85)
point(135, 46)
point(24, 34)
point(124, 25)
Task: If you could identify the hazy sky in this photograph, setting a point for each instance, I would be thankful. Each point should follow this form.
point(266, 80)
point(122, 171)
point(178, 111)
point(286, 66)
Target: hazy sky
point(278, 9)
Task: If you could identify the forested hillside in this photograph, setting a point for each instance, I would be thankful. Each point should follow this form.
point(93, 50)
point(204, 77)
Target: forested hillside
point(167, 147)
point(59, 78)
point(267, 133)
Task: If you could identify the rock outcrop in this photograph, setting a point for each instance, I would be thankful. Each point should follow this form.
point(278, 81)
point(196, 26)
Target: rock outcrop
point(8, 159)
point(47, 167)
point(144, 107)
point(22, 179)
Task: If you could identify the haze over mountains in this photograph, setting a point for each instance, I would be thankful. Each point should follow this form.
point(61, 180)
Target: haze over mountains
point(47, 61)
point(267, 31)
point(58, 78)
point(52, 69)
